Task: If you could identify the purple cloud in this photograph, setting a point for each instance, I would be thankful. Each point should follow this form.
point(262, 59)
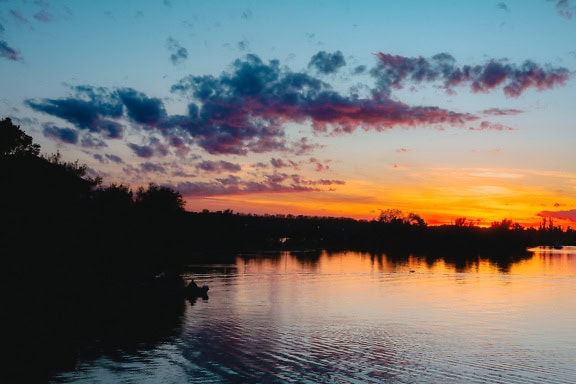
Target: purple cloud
point(141, 108)
point(142, 150)
point(246, 109)
point(179, 53)
point(501, 112)
point(218, 166)
point(113, 158)
point(85, 110)
point(395, 71)
point(18, 17)
point(8, 52)
point(563, 215)
point(64, 135)
point(274, 183)
point(152, 168)
point(327, 63)
point(43, 16)
point(563, 8)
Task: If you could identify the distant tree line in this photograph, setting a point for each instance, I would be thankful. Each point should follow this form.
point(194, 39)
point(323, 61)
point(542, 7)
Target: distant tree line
point(57, 219)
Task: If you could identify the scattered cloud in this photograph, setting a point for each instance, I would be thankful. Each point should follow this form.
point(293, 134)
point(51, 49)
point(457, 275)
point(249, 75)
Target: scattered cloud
point(271, 183)
point(178, 53)
point(486, 125)
point(140, 108)
point(113, 158)
point(249, 107)
point(43, 16)
point(502, 5)
point(218, 166)
point(64, 135)
point(142, 150)
point(394, 71)
point(563, 215)
point(501, 112)
point(319, 165)
point(563, 8)
point(327, 63)
point(16, 15)
point(7, 52)
point(279, 163)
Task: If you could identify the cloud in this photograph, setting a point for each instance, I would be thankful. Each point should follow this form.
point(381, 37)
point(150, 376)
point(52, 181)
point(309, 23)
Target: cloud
point(149, 167)
point(327, 63)
point(218, 166)
point(16, 15)
point(247, 108)
point(486, 125)
point(113, 158)
point(563, 215)
point(395, 71)
point(563, 9)
point(501, 112)
point(64, 135)
point(85, 110)
point(141, 108)
point(43, 16)
point(179, 53)
point(279, 163)
point(272, 183)
point(318, 165)
point(502, 5)
point(7, 52)
point(141, 150)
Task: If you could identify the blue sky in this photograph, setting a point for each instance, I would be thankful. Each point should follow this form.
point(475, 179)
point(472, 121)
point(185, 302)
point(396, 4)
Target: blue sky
point(339, 108)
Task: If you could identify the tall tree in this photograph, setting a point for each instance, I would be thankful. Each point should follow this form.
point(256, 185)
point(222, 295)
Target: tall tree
point(14, 141)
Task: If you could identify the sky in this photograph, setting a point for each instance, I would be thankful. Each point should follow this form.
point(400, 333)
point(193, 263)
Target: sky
point(447, 109)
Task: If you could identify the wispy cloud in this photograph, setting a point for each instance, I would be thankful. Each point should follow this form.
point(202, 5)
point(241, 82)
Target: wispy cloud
point(327, 63)
point(218, 166)
point(563, 215)
point(178, 53)
point(501, 112)
point(7, 52)
point(564, 9)
point(271, 183)
point(65, 135)
point(17, 15)
point(503, 6)
point(395, 71)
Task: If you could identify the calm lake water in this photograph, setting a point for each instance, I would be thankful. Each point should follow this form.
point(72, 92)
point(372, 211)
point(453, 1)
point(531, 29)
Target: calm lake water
point(360, 318)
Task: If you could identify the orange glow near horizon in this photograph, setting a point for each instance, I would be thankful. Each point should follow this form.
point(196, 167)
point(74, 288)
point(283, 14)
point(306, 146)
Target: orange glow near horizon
point(480, 198)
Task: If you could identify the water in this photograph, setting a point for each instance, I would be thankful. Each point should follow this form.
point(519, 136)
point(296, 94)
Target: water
point(359, 318)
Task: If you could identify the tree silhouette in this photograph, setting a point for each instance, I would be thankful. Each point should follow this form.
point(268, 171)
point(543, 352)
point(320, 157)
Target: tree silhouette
point(157, 199)
point(14, 142)
point(116, 198)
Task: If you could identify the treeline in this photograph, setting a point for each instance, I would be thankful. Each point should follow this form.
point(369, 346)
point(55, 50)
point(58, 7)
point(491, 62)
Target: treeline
point(234, 231)
point(57, 219)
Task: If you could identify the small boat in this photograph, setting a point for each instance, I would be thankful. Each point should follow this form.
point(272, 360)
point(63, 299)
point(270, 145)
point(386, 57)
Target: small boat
point(193, 290)
point(557, 245)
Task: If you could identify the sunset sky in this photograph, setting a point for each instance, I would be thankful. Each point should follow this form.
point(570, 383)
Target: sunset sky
point(446, 109)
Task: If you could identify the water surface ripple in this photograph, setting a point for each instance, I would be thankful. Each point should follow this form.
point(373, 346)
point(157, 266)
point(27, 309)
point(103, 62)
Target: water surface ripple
point(356, 318)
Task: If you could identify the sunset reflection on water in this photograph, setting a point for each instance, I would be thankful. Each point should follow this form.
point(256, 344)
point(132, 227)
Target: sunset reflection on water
point(346, 317)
